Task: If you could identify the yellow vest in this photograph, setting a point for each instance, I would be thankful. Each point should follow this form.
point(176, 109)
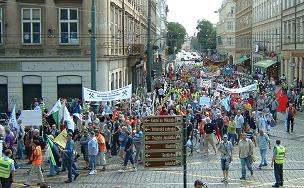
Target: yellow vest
point(5, 167)
point(280, 156)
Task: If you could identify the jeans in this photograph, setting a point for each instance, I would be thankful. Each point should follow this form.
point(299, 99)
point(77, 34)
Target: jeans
point(93, 161)
point(71, 170)
point(139, 151)
point(238, 132)
point(263, 153)
point(278, 173)
point(20, 148)
point(274, 114)
point(232, 138)
point(290, 121)
point(128, 156)
point(244, 162)
point(53, 169)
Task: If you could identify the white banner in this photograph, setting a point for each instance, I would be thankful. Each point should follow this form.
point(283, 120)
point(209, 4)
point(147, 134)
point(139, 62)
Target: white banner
point(31, 117)
point(113, 95)
point(203, 83)
point(252, 87)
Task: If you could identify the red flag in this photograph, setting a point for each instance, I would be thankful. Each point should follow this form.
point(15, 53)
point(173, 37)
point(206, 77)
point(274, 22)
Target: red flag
point(282, 100)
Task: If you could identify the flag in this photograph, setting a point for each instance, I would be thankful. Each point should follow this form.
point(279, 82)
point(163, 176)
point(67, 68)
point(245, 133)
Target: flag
point(282, 100)
point(68, 119)
point(61, 139)
point(13, 119)
point(54, 115)
point(77, 112)
point(53, 151)
point(226, 103)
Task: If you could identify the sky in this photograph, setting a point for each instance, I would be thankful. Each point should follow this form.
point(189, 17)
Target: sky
point(188, 12)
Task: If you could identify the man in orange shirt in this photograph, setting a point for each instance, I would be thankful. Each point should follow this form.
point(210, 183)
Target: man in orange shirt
point(36, 159)
point(101, 156)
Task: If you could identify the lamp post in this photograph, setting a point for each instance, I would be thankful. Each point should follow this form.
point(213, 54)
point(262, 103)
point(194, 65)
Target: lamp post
point(93, 46)
point(149, 49)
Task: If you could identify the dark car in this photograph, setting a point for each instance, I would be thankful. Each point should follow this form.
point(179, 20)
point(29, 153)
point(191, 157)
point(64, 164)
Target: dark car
point(3, 118)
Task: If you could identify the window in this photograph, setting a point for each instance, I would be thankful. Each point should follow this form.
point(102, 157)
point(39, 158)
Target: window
point(31, 26)
point(68, 26)
point(229, 25)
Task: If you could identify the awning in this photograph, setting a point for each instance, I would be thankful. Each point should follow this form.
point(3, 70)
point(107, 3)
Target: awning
point(241, 60)
point(265, 63)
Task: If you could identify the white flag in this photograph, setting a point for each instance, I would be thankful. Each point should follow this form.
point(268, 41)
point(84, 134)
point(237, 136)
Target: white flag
point(69, 121)
point(13, 119)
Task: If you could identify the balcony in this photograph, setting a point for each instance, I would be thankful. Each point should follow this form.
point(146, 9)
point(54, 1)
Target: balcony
point(136, 49)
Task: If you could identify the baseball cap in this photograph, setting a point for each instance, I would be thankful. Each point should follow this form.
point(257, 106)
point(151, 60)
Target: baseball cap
point(225, 136)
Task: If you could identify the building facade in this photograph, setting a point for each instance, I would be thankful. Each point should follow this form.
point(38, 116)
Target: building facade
point(45, 48)
point(292, 39)
point(243, 30)
point(226, 30)
point(266, 33)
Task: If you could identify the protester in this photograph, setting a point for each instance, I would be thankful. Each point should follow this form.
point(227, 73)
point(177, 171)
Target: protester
point(37, 162)
point(225, 148)
point(92, 152)
point(245, 154)
point(264, 143)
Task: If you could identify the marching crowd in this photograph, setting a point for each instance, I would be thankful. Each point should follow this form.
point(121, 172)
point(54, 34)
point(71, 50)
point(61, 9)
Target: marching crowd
point(228, 121)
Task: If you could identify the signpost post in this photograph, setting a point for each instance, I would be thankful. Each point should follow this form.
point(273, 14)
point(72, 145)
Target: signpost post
point(165, 142)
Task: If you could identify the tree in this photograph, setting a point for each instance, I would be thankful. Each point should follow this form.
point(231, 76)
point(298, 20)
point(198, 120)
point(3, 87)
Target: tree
point(206, 35)
point(175, 36)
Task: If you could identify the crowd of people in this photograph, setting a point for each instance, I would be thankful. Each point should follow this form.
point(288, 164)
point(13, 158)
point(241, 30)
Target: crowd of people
point(229, 120)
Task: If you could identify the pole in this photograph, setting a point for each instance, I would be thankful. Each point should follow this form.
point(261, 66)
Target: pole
point(149, 49)
point(93, 46)
point(185, 152)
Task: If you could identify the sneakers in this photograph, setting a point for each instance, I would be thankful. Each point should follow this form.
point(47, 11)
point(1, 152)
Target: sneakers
point(93, 172)
point(134, 169)
point(242, 178)
point(122, 170)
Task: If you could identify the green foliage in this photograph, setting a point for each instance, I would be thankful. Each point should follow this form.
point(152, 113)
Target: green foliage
point(176, 36)
point(206, 35)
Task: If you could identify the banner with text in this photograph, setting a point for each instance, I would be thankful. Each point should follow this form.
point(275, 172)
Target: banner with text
point(252, 87)
point(113, 95)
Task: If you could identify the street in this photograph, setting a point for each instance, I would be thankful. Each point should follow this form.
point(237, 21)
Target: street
point(199, 167)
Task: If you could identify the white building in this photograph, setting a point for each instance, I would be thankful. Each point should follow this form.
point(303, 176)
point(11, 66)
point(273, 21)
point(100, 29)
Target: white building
point(226, 30)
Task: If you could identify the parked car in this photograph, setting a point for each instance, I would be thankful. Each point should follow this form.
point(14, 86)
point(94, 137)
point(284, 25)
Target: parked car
point(3, 118)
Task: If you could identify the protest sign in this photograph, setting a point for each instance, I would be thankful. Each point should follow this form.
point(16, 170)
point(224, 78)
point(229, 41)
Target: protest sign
point(31, 117)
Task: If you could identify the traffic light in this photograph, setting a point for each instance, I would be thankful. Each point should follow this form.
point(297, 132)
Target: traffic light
point(153, 73)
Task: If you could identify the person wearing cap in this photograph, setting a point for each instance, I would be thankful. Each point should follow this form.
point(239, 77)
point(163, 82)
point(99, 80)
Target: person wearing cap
point(225, 148)
point(68, 154)
point(92, 151)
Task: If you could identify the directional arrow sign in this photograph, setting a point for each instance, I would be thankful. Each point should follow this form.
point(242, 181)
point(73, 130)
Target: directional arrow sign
point(162, 129)
point(163, 146)
point(163, 155)
point(163, 137)
point(163, 163)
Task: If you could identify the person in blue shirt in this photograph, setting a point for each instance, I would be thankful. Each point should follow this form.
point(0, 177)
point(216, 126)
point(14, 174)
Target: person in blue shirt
point(129, 145)
point(122, 141)
point(68, 154)
point(138, 143)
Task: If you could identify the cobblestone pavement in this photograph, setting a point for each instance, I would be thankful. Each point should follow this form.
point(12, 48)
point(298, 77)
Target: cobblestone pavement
point(199, 167)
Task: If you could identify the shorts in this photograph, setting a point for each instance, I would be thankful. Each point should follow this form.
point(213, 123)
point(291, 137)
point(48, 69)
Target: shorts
point(225, 164)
